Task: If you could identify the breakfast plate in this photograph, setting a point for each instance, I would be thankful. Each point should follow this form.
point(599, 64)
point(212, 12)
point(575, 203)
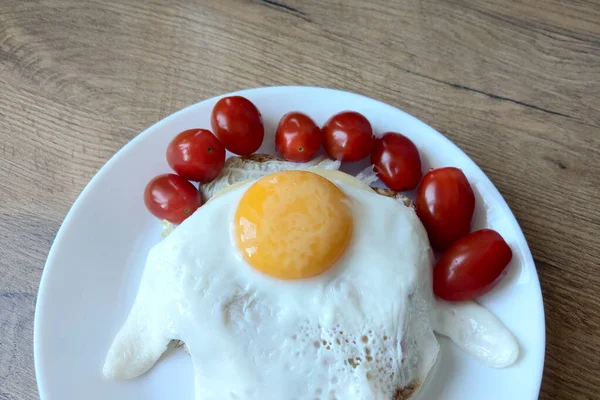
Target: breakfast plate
point(95, 265)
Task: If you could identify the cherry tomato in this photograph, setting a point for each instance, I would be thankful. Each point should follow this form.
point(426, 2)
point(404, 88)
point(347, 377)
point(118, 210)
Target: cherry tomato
point(472, 266)
point(297, 138)
point(397, 162)
point(238, 125)
point(348, 136)
point(445, 205)
point(196, 155)
point(171, 197)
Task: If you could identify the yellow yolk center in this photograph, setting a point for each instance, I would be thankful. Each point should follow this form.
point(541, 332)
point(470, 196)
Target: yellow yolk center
point(293, 224)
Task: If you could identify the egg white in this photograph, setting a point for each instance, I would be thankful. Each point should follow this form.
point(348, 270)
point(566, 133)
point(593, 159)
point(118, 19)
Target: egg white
point(362, 330)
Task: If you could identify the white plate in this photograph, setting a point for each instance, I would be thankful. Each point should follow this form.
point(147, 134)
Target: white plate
point(94, 266)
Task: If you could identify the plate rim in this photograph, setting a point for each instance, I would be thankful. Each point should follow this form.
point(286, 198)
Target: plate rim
point(122, 152)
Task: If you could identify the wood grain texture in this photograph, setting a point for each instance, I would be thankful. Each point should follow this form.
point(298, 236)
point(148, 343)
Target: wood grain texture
point(515, 83)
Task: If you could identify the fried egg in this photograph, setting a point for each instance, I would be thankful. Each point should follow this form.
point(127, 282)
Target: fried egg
point(290, 287)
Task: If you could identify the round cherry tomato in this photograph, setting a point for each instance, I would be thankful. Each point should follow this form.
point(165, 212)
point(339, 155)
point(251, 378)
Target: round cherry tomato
point(297, 138)
point(397, 162)
point(171, 197)
point(472, 266)
point(238, 125)
point(348, 136)
point(196, 155)
point(445, 205)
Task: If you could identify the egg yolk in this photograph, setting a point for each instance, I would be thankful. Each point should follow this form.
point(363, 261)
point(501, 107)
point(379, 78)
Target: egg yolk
point(293, 224)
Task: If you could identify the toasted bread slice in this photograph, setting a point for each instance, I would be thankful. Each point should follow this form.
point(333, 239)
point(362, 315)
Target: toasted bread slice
point(238, 169)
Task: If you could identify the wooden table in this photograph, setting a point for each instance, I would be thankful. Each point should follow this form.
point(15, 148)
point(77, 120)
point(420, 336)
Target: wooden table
point(515, 83)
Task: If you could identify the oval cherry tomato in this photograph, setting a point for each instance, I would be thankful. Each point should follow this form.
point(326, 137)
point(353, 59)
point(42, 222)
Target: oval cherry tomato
point(171, 197)
point(238, 125)
point(298, 137)
point(397, 162)
point(348, 136)
point(196, 155)
point(445, 205)
point(472, 266)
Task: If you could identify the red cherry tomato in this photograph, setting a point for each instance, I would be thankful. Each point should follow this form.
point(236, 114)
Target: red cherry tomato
point(472, 266)
point(397, 162)
point(238, 125)
point(171, 197)
point(445, 205)
point(297, 138)
point(196, 155)
point(348, 136)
